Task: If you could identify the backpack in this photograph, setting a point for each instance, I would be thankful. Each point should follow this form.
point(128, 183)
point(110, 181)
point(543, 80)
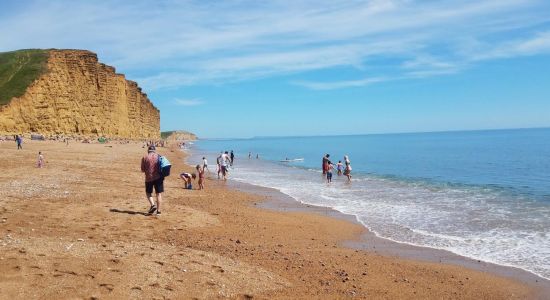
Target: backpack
point(164, 166)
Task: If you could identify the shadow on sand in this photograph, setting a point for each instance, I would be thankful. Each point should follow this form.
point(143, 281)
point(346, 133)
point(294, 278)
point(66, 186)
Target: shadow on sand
point(129, 212)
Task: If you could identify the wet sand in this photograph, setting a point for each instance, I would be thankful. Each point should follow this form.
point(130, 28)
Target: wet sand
point(368, 241)
point(77, 229)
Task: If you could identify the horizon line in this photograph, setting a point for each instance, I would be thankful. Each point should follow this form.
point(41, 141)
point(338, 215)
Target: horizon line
point(375, 133)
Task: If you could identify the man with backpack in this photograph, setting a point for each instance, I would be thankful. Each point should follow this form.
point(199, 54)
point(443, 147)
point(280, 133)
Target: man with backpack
point(153, 179)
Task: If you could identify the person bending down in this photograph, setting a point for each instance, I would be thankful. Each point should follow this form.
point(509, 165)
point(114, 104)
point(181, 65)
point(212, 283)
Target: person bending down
point(187, 180)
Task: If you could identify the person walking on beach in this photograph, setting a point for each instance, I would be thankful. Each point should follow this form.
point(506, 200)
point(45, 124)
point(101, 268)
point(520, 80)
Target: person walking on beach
point(19, 141)
point(232, 157)
point(200, 172)
point(347, 169)
point(40, 161)
point(153, 179)
point(205, 164)
point(249, 155)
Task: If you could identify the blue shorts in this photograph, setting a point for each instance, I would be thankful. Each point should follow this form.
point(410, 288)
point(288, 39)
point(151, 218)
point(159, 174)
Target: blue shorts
point(329, 175)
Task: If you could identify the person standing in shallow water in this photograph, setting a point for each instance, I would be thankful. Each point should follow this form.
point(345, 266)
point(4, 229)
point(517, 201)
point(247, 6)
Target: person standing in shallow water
point(347, 169)
point(326, 161)
point(330, 167)
point(225, 161)
point(219, 164)
point(153, 179)
point(232, 157)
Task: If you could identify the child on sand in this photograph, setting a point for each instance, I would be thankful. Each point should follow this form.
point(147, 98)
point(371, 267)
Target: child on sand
point(200, 171)
point(187, 179)
point(40, 162)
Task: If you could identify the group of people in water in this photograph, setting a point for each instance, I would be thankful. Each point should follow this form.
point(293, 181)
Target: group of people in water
point(342, 169)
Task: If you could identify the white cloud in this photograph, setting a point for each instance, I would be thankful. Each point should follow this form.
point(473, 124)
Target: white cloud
point(539, 43)
point(188, 102)
point(169, 43)
point(339, 84)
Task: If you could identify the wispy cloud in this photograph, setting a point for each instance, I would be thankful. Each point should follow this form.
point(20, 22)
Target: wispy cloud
point(188, 102)
point(168, 43)
point(339, 84)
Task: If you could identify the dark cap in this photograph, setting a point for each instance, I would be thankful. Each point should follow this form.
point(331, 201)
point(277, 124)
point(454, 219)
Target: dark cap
point(151, 149)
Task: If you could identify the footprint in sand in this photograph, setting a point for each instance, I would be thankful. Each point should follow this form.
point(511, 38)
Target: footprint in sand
point(107, 286)
point(218, 269)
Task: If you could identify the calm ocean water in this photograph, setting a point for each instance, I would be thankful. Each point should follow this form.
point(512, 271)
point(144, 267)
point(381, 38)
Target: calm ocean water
point(480, 194)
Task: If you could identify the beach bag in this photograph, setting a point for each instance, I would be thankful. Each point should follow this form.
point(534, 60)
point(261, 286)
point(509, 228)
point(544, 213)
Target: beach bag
point(164, 166)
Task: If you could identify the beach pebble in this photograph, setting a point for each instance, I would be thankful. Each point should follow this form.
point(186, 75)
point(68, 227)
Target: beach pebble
point(80, 240)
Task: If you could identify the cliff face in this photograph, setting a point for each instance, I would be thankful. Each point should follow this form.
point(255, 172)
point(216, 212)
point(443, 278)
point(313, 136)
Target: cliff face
point(78, 95)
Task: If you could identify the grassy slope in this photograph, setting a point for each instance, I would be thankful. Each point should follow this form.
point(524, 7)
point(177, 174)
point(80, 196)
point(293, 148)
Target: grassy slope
point(165, 134)
point(18, 69)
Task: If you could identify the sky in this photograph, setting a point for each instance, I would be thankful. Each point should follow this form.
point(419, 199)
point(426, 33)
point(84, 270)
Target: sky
point(242, 68)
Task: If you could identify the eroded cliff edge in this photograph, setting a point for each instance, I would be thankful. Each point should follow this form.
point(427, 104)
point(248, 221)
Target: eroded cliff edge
point(78, 95)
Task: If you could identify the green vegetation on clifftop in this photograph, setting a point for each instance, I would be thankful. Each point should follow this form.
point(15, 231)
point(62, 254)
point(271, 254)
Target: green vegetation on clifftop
point(165, 134)
point(178, 135)
point(18, 69)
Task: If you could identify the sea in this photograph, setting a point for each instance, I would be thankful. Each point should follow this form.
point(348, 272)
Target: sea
point(480, 194)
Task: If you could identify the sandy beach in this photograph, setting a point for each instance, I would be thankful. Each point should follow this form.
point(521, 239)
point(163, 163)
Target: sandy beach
point(77, 229)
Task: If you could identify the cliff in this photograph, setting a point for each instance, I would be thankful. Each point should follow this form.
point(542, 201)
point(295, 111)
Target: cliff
point(74, 94)
point(178, 135)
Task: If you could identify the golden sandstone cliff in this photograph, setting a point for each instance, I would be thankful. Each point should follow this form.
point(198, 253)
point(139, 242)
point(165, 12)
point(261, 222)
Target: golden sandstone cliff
point(77, 95)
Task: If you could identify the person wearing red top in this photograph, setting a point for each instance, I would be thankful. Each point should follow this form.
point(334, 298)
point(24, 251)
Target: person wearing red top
point(153, 179)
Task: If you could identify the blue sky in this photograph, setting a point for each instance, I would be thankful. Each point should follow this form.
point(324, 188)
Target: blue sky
point(248, 68)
